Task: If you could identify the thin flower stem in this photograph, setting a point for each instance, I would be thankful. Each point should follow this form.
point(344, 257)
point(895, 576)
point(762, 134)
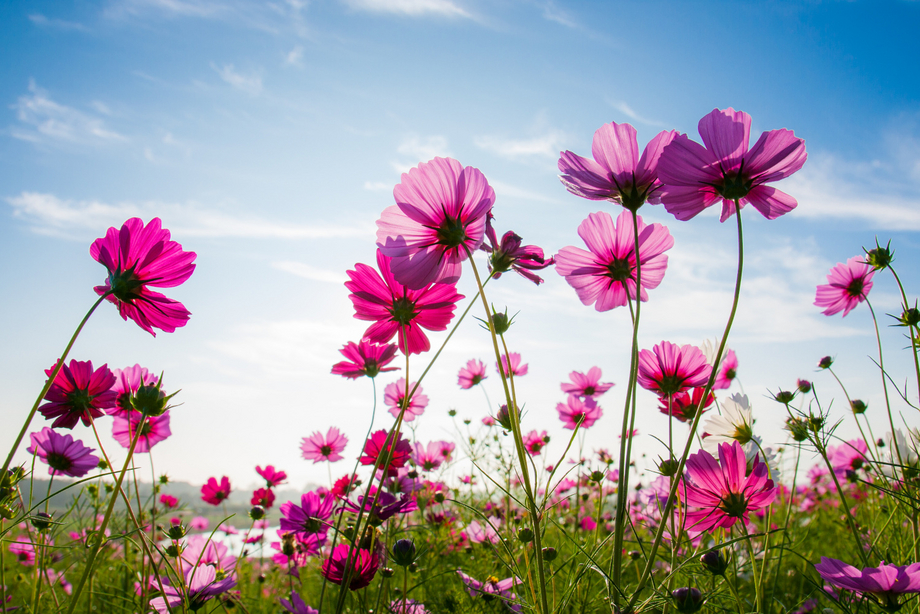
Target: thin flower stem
point(881, 366)
point(856, 418)
point(672, 495)
point(749, 542)
point(47, 386)
point(912, 329)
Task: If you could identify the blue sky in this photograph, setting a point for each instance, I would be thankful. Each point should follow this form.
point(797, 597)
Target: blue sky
point(269, 136)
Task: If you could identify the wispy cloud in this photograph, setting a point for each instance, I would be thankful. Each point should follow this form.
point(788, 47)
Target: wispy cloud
point(251, 83)
point(178, 8)
point(545, 146)
point(412, 8)
point(42, 120)
point(301, 269)
point(49, 215)
point(415, 149)
point(626, 110)
point(56, 24)
point(377, 186)
point(551, 12)
point(294, 57)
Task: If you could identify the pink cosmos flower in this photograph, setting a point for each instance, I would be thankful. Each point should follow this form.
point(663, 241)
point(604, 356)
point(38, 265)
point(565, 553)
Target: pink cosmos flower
point(379, 443)
point(576, 411)
point(127, 383)
point(473, 373)
point(534, 442)
point(78, 393)
point(263, 496)
point(213, 492)
point(309, 516)
point(394, 307)
point(586, 385)
point(492, 588)
point(365, 358)
point(155, 430)
point(848, 456)
point(138, 256)
point(516, 368)
point(510, 255)
point(428, 458)
point(606, 275)
point(395, 393)
point(364, 566)
point(669, 368)
point(439, 217)
point(62, 453)
point(272, 476)
point(447, 450)
point(23, 550)
point(329, 448)
point(728, 371)
point(684, 404)
point(296, 605)
point(201, 585)
point(697, 177)
point(882, 584)
point(848, 285)
point(484, 532)
point(617, 173)
point(169, 501)
point(719, 493)
point(199, 523)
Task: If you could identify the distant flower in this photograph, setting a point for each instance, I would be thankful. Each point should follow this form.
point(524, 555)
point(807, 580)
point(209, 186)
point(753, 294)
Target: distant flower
point(199, 523)
point(719, 493)
point(407, 606)
point(169, 501)
point(430, 457)
point(202, 550)
point(155, 430)
point(264, 497)
point(534, 442)
point(727, 370)
point(697, 177)
point(383, 505)
point(684, 405)
point(586, 384)
point(605, 275)
point(439, 217)
point(395, 393)
point(363, 564)
point(201, 585)
point(78, 393)
point(575, 412)
point(492, 587)
point(669, 368)
point(394, 308)
point(139, 257)
point(297, 605)
point(365, 358)
point(344, 485)
point(882, 584)
point(309, 516)
point(617, 173)
point(62, 454)
point(127, 383)
point(24, 551)
point(510, 255)
point(516, 368)
point(473, 373)
point(379, 443)
point(484, 532)
point(272, 476)
point(848, 456)
point(215, 492)
point(848, 286)
point(329, 448)
point(446, 449)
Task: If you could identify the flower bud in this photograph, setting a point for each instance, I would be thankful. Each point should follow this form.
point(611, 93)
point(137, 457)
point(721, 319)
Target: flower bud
point(6, 512)
point(501, 322)
point(525, 535)
point(635, 555)
point(176, 531)
point(909, 317)
point(287, 544)
point(404, 552)
point(413, 568)
point(668, 467)
point(797, 428)
point(804, 386)
point(597, 476)
point(150, 400)
point(549, 554)
point(451, 412)
point(714, 562)
point(387, 572)
point(880, 257)
point(784, 396)
point(825, 363)
point(174, 550)
point(687, 599)
point(858, 406)
point(42, 521)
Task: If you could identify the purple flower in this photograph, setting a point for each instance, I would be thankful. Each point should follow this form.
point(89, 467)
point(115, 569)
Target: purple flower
point(882, 583)
point(492, 588)
point(297, 605)
point(62, 453)
point(383, 505)
point(307, 517)
point(202, 585)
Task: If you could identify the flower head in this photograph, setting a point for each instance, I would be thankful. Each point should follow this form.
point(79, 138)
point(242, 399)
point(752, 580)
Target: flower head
point(154, 430)
point(576, 411)
point(309, 516)
point(616, 173)
point(492, 588)
point(379, 443)
point(397, 310)
point(882, 584)
point(215, 492)
point(62, 454)
point(394, 395)
point(201, 585)
point(736, 423)
point(329, 448)
point(365, 358)
point(847, 286)
point(439, 217)
point(138, 257)
point(669, 368)
point(510, 255)
point(272, 476)
point(684, 405)
point(473, 373)
point(79, 393)
point(263, 496)
point(512, 366)
point(586, 384)
point(606, 275)
point(127, 382)
point(534, 442)
point(696, 177)
point(363, 563)
point(430, 457)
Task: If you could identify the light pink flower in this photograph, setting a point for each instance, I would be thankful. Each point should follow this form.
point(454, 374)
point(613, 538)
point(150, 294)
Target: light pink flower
point(430, 457)
point(473, 373)
point(728, 371)
point(534, 442)
point(23, 550)
point(394, 394)
point(576, 411)
point(62, 454)
point(199, 523)
point(617, 173)
point(440, 214)
point(127, 383)
point(606, 275)
point(847, 286)
point(516, 368)
point(155, 430)
point(669, 368)
point(365, 358)
point(586, 384)
point(697, 177)
point(79, 393)
point(329, 448)
point(138, 257)
point(394, 307)
point(882, 584)
point(484, 532)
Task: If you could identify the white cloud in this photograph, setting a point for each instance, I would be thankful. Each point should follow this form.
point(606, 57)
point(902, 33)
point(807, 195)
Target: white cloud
point(545, 146)
point(49, 215)
point(552, 12)
point(294, 57)
point(179, 8)
point(412, 8)
point(42, 120)
point(307, 271)
point(626, 110)
point(58, 24)
point(251, 83)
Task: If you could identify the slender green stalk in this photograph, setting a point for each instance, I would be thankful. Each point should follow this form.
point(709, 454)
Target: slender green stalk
point(758, 598)
point(881, 366)
point(912, 329)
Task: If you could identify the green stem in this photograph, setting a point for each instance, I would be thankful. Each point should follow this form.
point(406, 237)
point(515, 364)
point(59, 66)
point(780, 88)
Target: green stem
point(756, 577)
point(881, 366)
point(913, 333)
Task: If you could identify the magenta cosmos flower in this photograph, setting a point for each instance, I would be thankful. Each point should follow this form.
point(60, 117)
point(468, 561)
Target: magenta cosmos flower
point(470, 375)
point(577, 411)
point(606, 275)
point(697, 177)
point(379, 443)
point(439, 216)
point(155, 430)
point(534, 442)
point(510, 255)
point(215, 492)
point(201, 585)
point(62, 454)
point(329, 448)
point(728, 371)
point(430, 457)
point(617, 173)
point(512, 364)
point(310, 516)
point(586, 384)
point(365, 358)
point(138, 256)
point(394, 307)
point(297, 605)
point(719, 493)
point(847, 286)
point(127, 382)
point(394, 395)
point(492, 587)
point(669, 368)
point(78, 393)
point(272, 476)
point(684, 405)
point(363, 563)
point(883, 583)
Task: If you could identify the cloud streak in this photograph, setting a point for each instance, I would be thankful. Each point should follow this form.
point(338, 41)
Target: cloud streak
point(545, 146)
point(411, 8)
point(44, 121)
point(251, 83)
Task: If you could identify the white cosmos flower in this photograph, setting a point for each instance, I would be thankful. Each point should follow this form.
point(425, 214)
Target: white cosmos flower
point(903, 453)
point(735, 424)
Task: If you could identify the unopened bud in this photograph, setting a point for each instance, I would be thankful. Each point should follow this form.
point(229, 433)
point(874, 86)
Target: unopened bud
point(687, 599)
point(858, 406)
point(549, 554)
point(525, 535)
